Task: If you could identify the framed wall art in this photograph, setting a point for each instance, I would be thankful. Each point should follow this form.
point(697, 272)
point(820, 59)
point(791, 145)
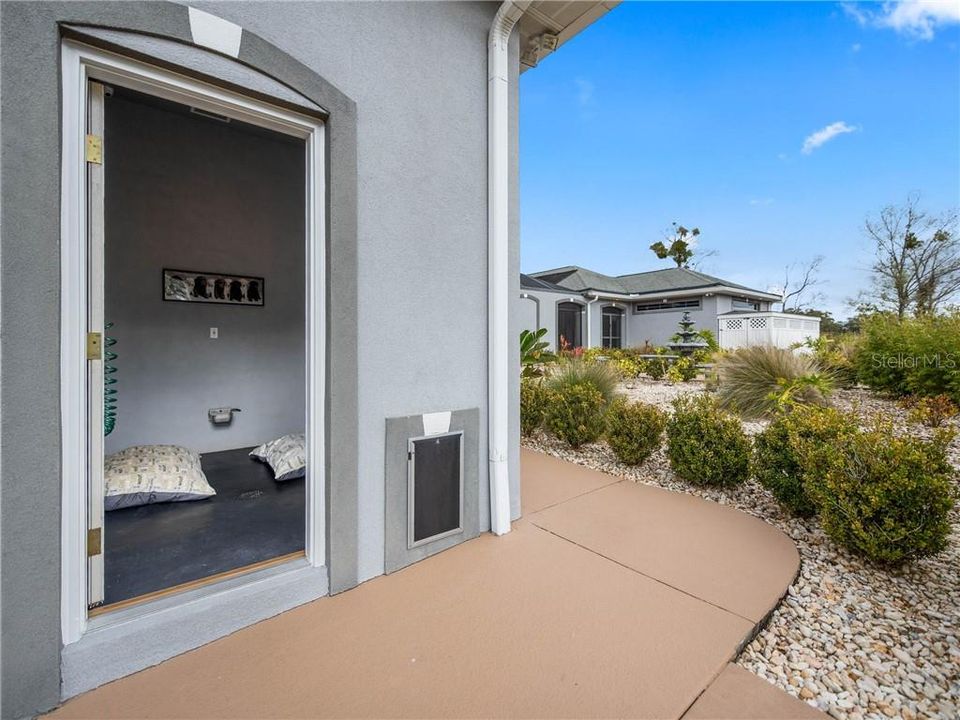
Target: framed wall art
point(209, 287)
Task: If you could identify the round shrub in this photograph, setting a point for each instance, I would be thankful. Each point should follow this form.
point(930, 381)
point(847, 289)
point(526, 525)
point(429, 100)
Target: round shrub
point(575, 414)
point(705, 445)
point(885, 497)
point(656, 368)
point(682, 370)
point(634, 430)
point(534, 398)
point(786, 451)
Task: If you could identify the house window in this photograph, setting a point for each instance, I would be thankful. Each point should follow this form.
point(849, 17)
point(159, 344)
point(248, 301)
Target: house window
point(682, 304)
point(740, 303)
point(612, 331)
point(569, 325)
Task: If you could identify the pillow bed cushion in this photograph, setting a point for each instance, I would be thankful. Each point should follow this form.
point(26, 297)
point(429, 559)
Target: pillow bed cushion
point(286, 455)
point(145, 474)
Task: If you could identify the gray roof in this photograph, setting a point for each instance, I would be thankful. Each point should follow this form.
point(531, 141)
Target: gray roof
point(652, 282)
point(532, 283)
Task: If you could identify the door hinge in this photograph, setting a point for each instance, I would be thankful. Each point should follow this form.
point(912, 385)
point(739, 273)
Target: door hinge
point(94, 346)
point(93, 542)
point(94, 149)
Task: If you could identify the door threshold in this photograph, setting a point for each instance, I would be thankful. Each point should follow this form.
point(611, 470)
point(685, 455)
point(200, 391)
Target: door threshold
point(128, 640)
point(193, 584)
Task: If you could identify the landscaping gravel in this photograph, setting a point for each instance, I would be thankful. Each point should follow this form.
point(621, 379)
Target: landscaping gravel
point(853, 639)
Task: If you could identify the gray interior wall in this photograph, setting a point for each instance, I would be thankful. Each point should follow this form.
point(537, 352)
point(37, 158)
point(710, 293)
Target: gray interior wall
point(194, 194)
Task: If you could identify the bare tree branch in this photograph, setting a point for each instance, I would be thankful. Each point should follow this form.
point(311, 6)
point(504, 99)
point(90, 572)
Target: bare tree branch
point(808, 279)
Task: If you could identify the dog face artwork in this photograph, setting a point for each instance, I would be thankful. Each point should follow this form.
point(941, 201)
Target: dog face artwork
point(208, 287)
point(200, 287)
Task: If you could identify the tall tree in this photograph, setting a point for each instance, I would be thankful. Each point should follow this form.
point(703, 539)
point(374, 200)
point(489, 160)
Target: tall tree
point(917, 257)
point(680, 249)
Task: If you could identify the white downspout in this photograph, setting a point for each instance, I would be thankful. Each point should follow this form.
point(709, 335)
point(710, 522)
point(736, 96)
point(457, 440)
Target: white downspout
point(589, 324)
point(499, 347)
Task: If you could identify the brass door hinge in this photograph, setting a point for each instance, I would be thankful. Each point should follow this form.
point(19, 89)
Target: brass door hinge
point(94, 149)
point(94, 346)
point(93, 542)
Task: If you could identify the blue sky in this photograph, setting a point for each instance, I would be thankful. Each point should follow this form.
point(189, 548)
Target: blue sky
point(774, 127)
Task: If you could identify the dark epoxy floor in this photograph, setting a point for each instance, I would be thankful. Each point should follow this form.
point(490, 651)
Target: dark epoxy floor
point(252, 518)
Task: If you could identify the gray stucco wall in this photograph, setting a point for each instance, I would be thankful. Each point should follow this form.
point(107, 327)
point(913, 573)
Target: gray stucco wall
point(407, 254)
point(417, 72)
point(523, 311)
point(190, 193)
point(658, 327)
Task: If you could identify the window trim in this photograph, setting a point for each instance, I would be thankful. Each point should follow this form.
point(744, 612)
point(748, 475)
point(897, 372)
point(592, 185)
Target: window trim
point(665, 305)
point(560, 304)
point(620, 313)
point(745, 304)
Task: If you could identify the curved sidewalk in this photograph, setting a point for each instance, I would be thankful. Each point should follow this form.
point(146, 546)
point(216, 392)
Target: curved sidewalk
point(608, 599)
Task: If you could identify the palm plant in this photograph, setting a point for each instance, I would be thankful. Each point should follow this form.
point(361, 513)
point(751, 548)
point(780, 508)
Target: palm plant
point(533, 353)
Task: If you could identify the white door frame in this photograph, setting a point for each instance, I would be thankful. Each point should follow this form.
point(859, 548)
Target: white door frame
point(79, 64)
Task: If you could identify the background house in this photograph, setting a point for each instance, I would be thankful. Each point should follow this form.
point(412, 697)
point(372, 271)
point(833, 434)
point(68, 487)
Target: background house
point(590, 309)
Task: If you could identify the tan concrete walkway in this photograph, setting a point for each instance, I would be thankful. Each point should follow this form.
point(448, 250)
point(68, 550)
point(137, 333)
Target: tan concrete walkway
point(608, 599)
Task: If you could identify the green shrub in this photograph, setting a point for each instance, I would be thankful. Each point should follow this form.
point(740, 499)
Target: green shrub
point(785, 452)
point(656, 368)
point(575, 413)
point(602, 376)
point(933, 411)
point(628, 367)
point(634, 430)
point(911, 356)
point(534, 400)
point(705, 445)
point(885, 497)
point(710, 339)
point(836, 354)
point(682, 370)
point(759, 381)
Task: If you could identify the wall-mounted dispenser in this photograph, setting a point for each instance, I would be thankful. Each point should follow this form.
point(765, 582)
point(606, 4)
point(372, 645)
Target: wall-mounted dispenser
point(222, 415)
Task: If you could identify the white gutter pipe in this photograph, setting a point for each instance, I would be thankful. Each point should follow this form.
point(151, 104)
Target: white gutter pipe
point(500, 347)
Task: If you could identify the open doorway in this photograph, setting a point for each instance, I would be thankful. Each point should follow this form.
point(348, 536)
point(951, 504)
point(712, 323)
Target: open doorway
point(204, 318)
point(192, 386)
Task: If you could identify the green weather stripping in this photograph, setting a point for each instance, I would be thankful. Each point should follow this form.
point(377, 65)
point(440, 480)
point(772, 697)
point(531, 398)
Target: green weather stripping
point(109, 392)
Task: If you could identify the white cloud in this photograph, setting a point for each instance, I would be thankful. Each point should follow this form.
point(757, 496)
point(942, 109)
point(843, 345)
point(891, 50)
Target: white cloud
point(855, 47)
point(918, 19)
point(584, 92)
point(759, 202)
point(853, 11)
point(826, 134)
